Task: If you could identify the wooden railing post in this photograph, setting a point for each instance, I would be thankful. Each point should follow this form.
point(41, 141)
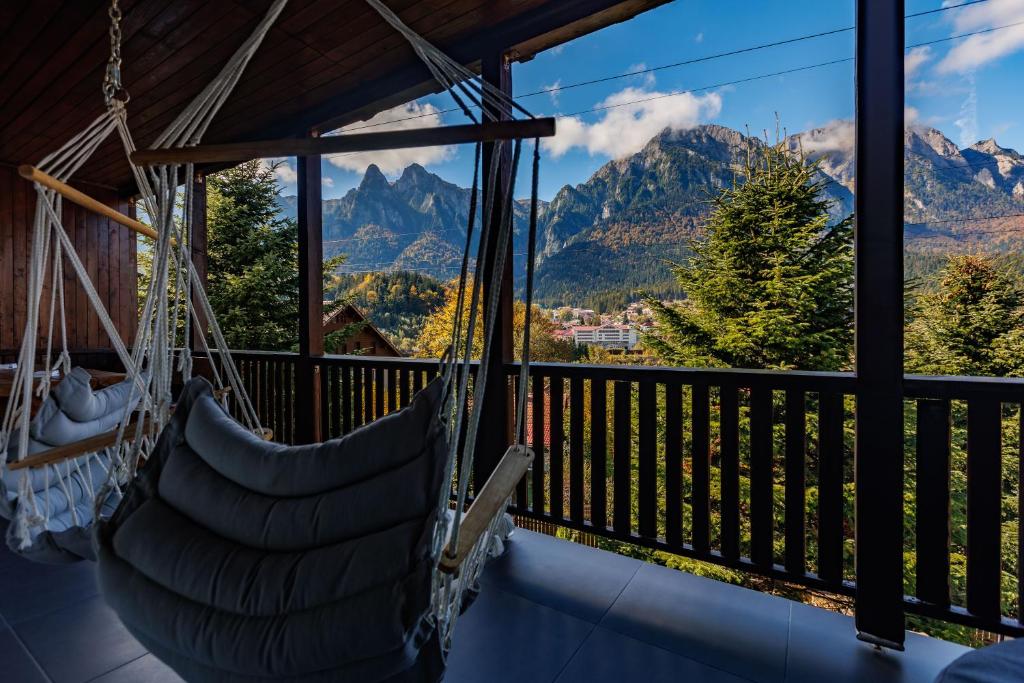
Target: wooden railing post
point(197, 245)
point(879, 323)
point(311, 297)
point(496, 419)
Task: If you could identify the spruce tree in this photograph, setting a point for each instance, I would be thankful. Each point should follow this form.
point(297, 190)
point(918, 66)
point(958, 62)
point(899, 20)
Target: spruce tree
point(252, 273)
point(973, 324)
point(770, 282)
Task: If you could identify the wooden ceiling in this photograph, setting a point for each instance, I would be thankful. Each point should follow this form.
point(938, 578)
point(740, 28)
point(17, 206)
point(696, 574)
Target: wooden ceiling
point(325, 63)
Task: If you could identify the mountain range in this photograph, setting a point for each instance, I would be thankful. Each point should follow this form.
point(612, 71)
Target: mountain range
point(617, 232)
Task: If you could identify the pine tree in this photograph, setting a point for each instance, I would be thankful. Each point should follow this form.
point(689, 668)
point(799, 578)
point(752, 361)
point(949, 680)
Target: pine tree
point(973, 324)
point(770, 283)
point(253, 278)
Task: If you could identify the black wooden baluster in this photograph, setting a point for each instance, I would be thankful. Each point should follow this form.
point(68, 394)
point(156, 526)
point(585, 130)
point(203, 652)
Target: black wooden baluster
point(647, 466)
point(557, 431)
point(522, 503)
point(622, 473)
point(289, 418)
point(346, 399)
point(933, 498)
point(380, 391)
point(392, 389)
point(357, 397)
point(403, 388)
point(538, 441)
point(337, 372)
point(701, 469)
point(599, 453)
point(830, 486)
point(761, 478)
point(367, 395)
point(674, 465)
point(984, 495)
point(796, 477)
point(576, 449)
point(730, 471)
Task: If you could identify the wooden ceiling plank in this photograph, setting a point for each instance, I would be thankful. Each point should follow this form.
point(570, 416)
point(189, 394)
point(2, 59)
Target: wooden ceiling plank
point(38, 70)
point(273, 91)
point(379, 54)
point(68, 109)
point(29, 20)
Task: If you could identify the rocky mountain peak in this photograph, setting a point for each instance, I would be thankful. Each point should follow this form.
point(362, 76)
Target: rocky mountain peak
point(992, 147)
point(374, 179)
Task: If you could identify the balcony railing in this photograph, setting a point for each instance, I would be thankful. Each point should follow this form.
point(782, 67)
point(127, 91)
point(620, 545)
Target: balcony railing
point(747, 469)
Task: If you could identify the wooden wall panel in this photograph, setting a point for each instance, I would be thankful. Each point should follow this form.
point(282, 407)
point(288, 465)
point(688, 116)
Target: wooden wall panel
point(107, 249)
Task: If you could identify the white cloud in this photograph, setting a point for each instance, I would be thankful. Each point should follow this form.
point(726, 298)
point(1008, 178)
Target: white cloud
point(834, 136)
point(392, 162)
point(627, 126)
point(553, 91)
point(915, 59)
point(284, 172)
point(976, 51)
point(967, 121)
point(910, 115)
point(699, 38)
point(646, 78)
point(327, 181)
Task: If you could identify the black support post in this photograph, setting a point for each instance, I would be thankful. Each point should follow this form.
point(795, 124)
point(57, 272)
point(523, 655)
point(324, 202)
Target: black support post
point(496, 419)
point(879, 323)
point(197, 246)
point(311, 296)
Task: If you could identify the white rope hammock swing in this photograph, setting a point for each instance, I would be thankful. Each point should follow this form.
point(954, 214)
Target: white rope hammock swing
point(169, 310)
point(462, 539)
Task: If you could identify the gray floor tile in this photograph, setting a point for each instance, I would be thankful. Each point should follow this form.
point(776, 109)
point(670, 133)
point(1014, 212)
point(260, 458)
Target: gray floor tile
point(608, 657)
point(16, 664)
point(80, 642)
point(721, 625)
point(145, 669)
point(32, 589)
point(504, 637)
point(569, 577)
point(826, 641)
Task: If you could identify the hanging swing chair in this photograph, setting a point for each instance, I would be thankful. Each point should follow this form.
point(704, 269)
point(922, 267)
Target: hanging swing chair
point(235, 559)
point(66, 463)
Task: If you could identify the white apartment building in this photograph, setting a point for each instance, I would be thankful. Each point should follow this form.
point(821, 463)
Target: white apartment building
point(608, 336)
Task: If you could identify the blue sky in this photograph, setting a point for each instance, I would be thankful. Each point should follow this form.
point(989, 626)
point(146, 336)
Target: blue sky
point(969, 88)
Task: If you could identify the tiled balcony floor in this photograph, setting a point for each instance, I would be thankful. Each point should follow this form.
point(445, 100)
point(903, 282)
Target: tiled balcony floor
point(550, 611)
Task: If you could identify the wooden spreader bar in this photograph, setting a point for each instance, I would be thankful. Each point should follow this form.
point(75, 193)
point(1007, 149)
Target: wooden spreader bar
point(71, 194)
point(351, 142)
point(500, 485)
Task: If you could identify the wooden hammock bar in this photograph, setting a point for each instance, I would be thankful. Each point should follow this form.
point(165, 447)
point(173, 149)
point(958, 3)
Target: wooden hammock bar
point(71, 194)
point(76, 448)
point(488, 501)
point(98, 442)
point(350, 142)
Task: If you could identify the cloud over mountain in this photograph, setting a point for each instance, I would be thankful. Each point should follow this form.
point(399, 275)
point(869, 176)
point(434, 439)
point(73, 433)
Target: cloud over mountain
point(631, 117)
point(392, 161)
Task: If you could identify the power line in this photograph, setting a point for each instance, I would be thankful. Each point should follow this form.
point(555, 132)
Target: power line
point(943, 9)
point(706, 58)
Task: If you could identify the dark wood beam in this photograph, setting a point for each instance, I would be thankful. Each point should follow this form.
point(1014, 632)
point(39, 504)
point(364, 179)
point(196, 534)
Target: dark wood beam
point(879, 323)
point(496, 420)
point(197, 245)
point(311, 297)
point(350, 142)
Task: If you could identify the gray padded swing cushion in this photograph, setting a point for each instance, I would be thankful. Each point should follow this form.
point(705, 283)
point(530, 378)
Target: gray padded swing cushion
point(73, 411)
point(256, 560)
point(993, 664)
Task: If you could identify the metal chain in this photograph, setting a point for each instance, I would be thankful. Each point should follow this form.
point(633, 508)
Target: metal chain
point(112, 87)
